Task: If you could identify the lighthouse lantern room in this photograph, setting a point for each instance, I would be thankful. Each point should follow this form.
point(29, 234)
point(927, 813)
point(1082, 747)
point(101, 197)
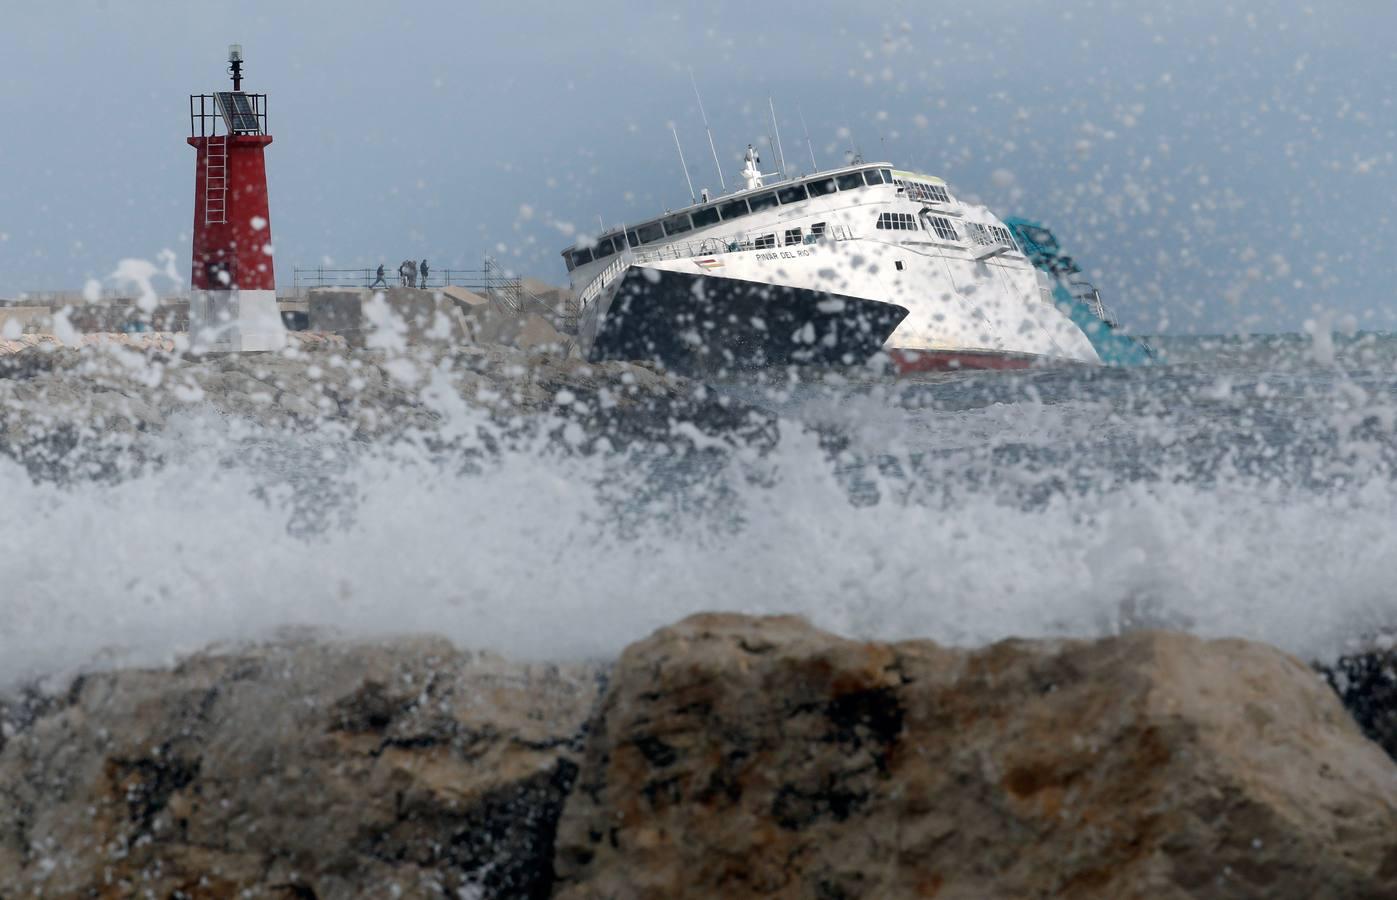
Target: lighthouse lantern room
point(233, 302)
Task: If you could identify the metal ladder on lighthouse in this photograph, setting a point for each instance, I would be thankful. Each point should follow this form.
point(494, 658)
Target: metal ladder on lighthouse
point(216, 181)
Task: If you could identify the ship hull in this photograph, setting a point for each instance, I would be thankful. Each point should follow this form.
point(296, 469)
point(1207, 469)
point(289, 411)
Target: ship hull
point(704, 324)
point(908, 362)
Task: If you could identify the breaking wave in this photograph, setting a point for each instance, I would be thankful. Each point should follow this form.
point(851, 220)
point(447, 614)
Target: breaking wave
point(1222, 499)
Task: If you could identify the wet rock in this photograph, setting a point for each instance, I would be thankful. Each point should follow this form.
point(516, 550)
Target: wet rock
point(297, 769)
point(736, 757)
point(1366, 682)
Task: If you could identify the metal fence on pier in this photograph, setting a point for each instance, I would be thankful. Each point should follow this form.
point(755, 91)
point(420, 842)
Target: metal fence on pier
point(470, 279)
point(491, 281)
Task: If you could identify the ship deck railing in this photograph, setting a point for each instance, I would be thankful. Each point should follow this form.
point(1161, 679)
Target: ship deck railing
point(1086, 292)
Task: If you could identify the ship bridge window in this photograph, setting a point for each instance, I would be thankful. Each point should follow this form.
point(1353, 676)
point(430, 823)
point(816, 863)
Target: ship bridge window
point(887, 175)
point(849, 181)
point(927, 193)
point(1004, 236)
point(678, 224)
point(705, 217)
point(762, 201)
point(732, 209)
point(872, 177)
point(977, 233)
point(792, 236)
point(765, 242)
point(649, 232)
point(567, 260)
point(943, 228)
point(822, 186)
point(581, 257)
point(793, 194)
point(604, 248)
point(897, 221)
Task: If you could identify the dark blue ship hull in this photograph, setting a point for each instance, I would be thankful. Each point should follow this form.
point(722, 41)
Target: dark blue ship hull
point(700, 324)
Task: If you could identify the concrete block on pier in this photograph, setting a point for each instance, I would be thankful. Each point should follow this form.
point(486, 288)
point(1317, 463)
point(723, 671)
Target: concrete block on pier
point(465, 299)
point(19, 320)
point(426, 316)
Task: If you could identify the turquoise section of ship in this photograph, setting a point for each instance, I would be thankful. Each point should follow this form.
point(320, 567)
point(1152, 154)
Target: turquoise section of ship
point(1078, 298)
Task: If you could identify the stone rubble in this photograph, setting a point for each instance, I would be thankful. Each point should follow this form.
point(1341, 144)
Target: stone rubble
point(297, 769)
point(90, 411)
point(724, 756)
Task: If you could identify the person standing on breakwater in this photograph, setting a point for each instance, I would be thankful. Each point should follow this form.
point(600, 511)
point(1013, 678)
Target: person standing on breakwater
point(379, 280)
point(422, 270)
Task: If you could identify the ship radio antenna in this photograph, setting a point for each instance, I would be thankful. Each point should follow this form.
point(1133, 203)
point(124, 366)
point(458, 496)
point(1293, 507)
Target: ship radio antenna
point(814, 166)
point(693, 198)
point(721, 183)
point(780, 156)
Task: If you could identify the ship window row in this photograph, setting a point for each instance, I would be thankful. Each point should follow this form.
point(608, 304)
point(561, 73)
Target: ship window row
point(898, 221)
point(943, 228)
point(924, 192)
point(725, 212)
point(1003, 234)
point(985, 235)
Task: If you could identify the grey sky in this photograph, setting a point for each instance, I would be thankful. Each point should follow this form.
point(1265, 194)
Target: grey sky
point(1218, 167)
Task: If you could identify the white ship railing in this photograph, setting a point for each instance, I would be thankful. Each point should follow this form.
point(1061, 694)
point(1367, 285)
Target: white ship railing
point(1086, 292)
point(768, 240)
point(600, 283)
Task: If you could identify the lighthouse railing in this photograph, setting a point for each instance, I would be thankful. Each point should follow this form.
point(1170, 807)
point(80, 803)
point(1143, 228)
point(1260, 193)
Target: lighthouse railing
point(206, 120)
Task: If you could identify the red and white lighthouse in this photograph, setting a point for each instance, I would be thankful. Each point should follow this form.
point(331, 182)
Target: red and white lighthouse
point(233, 302)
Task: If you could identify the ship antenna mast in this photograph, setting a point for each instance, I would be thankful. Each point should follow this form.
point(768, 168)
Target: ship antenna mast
point(780, 156)
point(693, 198)
point(814, 166)
point(721, 183)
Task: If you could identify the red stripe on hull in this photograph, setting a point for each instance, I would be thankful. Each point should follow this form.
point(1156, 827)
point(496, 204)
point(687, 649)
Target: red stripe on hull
point(908, 361)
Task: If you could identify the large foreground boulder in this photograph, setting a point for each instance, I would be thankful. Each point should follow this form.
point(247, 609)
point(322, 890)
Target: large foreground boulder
point(730, 756)
point(405, 768)
point(741, 757)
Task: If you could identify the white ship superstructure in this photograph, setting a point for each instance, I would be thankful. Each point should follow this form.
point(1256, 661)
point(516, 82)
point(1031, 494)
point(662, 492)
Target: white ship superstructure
point(833, 267)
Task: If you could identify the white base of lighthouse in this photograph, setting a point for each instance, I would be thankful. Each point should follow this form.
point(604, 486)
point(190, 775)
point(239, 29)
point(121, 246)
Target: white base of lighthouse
point(235, 321)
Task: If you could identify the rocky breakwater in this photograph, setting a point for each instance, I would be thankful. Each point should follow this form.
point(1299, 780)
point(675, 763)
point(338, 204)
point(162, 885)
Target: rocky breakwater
point(293, 770)
point(90, 411)
point(725, 756)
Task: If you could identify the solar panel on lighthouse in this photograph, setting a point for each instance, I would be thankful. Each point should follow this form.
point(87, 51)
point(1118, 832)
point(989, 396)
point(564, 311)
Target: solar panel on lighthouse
point(238, 113)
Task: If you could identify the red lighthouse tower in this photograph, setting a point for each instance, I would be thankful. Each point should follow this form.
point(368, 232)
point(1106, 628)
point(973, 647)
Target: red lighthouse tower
point(233, 302)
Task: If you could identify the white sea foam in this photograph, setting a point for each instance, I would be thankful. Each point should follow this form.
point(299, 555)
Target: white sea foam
point(531, 558)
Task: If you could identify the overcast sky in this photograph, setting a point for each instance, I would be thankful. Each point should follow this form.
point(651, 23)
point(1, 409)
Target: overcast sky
point(1217, 167)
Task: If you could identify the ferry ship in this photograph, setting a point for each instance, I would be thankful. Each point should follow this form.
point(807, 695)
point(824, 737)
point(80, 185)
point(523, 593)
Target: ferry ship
point(844, 267)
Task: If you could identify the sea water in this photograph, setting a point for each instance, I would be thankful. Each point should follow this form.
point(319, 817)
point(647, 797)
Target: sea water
point(1244, 488)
